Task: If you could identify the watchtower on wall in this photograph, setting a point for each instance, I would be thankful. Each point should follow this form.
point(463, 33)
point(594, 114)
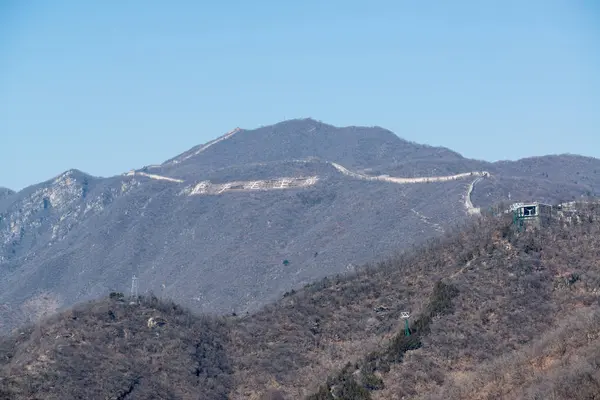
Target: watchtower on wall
point(531, 214)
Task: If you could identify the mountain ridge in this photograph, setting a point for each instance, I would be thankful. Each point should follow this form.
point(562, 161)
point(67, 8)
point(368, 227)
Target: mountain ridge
point(214, 230)
point(492, 165)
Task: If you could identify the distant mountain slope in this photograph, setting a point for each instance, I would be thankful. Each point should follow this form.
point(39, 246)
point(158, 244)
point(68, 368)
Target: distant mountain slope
point(231, 224)
point(221, 252)
point(5, 192)
point(555, 178)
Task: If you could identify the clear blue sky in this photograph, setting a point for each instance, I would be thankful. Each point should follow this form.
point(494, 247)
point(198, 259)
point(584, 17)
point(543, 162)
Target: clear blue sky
point(106, 86)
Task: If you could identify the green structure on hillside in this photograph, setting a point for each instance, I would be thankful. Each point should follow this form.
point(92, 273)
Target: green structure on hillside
point(405, 316)
point(531, 214)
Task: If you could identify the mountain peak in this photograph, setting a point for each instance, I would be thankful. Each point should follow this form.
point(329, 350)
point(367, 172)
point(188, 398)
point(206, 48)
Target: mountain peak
point(301, 139)
point(70, 176)
point(310, 122)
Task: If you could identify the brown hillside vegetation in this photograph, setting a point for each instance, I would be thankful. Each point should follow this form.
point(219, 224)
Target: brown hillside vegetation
point(495, 314)
point(515, 289)
point(109, 350)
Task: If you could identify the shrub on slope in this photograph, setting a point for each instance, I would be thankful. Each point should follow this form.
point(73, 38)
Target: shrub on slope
point(563, 363)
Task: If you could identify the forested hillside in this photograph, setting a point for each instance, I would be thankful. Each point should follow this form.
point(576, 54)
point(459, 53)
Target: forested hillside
point(495, 313)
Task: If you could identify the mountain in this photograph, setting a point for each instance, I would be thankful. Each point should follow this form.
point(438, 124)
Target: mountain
point(192, 354)
point(231, 225)
point(300, 139)
point(5, 192)
point(495, 312)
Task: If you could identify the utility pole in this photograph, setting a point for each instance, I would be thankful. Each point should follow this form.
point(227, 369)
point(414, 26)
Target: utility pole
point(405, 316)
point(134, 287)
